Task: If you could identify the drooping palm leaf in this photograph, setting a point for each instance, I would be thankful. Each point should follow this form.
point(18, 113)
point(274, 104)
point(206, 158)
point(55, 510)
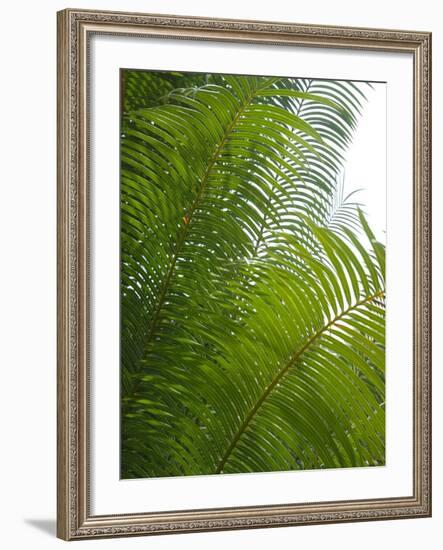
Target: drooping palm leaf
point(231, 349)
point(181, 161)
point(298, 384)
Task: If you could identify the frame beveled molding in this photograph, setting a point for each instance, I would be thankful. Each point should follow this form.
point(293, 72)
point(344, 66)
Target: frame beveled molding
point(75, 27)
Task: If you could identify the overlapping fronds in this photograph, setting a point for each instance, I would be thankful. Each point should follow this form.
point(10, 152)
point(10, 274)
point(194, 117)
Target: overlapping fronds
point(251, 306)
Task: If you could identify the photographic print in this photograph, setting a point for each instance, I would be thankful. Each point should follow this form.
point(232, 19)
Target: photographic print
point(252, 273)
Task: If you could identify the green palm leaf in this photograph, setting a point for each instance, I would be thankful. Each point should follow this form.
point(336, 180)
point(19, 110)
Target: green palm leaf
point(193, 156)
point(250, 320)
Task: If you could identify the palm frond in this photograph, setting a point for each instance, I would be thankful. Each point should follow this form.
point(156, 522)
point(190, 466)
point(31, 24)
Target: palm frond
point(296, 382)
point(202, 151)
point(252, 317)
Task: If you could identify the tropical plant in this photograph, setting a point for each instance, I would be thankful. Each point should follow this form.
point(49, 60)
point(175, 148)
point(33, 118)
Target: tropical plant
point(252, 291)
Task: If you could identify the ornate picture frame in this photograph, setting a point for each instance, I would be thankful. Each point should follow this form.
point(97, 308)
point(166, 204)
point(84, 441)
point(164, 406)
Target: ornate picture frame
point(75, 517)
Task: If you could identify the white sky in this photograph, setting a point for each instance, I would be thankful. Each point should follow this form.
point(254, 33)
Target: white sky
point(365, 166)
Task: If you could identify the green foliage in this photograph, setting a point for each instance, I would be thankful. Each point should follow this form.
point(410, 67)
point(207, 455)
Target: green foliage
point(252, 292)
point(142, 89)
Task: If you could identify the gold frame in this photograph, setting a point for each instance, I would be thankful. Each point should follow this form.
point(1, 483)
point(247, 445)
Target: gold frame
point(74, 520)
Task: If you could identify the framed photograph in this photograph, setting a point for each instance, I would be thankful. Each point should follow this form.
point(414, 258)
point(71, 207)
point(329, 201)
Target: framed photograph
point(243, 274)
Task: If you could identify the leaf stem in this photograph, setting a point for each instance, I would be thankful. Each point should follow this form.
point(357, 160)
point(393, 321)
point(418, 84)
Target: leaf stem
point(185, 228)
